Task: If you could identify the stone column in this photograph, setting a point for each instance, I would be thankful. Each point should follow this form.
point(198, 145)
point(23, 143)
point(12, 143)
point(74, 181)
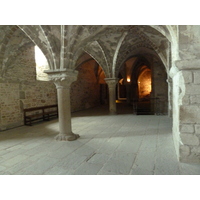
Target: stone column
point(112, 94)
point(63, 81)
point(186, 115)
point(128, 93)
point(170, 99)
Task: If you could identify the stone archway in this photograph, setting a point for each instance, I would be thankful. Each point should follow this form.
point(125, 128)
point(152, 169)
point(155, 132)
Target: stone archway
point(89, 89)
point(139, 73)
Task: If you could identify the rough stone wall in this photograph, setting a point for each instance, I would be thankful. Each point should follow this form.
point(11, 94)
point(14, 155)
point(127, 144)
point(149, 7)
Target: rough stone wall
point(186, 115)
point(189, 102)
point(19, 89)
point(10, 113)
point(144, 84)
point(85, 92)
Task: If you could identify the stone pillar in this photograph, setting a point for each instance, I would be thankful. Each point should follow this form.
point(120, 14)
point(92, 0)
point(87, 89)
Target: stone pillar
point(128, 93)
point(186, 115)
point(112, 94)
point(170, 99)
point(63, 81)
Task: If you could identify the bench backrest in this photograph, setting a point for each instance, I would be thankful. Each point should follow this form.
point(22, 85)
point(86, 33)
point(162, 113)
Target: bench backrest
point(41, 108)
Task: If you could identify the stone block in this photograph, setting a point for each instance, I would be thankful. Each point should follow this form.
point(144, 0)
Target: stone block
point(99, 159)
point(191, 89)
point(189, 169)
point(72, 161)
point(15, 160)
point(186, 100)
point(88, 169)
point(197, 129)
point(196, 150)
point(187, 75)
point(184, 150)
point(195, 99)
point(141, 171)
point(40, 167)
point(166, 160)
point(189, 139)
point(145, 159)
point(55, 170)
point(197, 77)
point(119, 163)
point(190, 114)
point(187, 63)
point(187, 128)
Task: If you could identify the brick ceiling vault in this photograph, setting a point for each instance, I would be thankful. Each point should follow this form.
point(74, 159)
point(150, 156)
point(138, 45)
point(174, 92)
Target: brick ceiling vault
point(110, 46)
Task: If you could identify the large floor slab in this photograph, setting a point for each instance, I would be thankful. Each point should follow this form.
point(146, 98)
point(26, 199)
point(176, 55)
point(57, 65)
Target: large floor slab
point(123, 144)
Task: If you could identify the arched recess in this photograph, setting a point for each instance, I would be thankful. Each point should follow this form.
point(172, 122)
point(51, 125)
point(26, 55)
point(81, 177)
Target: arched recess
point(90, 89)
point(144, 84)
point(39, 36)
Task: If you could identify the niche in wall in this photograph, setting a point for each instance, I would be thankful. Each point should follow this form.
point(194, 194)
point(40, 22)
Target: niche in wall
point(144, 83)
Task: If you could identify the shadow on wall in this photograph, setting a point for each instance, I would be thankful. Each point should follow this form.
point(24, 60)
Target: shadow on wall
point(87, 92)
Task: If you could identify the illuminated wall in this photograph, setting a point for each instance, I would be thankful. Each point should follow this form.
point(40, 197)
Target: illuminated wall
point(144, 84)
point(41, 65)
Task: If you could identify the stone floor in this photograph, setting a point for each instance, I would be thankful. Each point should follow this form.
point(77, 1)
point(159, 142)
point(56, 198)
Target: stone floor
point(123, 144)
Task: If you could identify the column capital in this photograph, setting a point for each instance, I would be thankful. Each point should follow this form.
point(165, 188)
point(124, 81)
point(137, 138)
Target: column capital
point(111, 81)
point(62, 78)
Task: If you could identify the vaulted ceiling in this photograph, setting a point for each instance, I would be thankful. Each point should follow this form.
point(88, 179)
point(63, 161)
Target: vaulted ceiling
point(66, 46)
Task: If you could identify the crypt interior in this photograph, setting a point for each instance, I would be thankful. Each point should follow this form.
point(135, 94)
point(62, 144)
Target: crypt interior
point(127, 75)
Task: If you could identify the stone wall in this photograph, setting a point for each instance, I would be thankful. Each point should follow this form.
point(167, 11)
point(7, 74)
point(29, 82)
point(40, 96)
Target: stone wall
point(186, 103)
point(186, 115)
point(144, 81)
point(85, 92)
point(190, 116)
point(19, 89)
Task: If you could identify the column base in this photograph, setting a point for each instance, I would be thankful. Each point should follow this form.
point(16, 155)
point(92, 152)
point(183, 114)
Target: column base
point(61, 137)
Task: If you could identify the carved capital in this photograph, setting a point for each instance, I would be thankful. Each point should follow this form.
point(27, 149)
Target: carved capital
point(62, 79)
point(111, 82)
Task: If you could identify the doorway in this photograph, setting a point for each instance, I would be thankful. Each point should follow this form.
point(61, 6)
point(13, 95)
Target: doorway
point(142, 86)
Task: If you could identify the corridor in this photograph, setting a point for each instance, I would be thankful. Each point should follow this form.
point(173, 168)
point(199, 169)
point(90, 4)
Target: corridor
point(123, 144)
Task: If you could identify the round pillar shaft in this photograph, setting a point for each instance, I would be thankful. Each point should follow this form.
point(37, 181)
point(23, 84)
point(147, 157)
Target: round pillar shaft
point(128, 93)
point(64, 111)
point(112, 94)
point(63, 80)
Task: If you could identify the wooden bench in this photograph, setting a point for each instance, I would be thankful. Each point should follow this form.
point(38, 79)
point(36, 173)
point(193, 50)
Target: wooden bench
point(43, 113)
point(50, 111)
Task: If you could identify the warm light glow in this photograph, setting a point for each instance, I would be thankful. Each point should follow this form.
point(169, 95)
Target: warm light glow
point(144, 84)
point(128, 80)
point(121, 81)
